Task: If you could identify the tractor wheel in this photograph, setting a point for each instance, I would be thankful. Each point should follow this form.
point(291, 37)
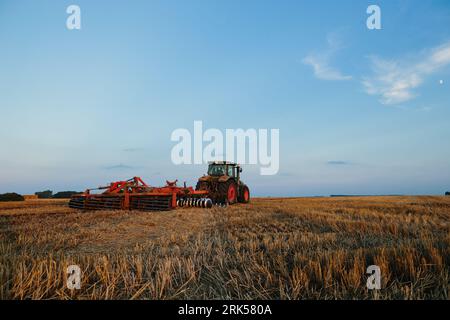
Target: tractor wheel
point(244, 196)
point(228, 191)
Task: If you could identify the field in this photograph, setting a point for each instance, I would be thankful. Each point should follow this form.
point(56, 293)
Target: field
point(296, 248)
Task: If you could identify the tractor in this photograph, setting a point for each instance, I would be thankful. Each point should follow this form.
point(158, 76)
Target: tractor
point(223, 183)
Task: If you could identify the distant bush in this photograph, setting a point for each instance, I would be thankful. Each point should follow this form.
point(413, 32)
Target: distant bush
point(47, 194)
point(447, 193)
point(65, 194)
point(11, 197)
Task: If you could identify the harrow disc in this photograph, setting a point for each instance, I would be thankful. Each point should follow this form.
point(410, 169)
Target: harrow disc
point(195, 202)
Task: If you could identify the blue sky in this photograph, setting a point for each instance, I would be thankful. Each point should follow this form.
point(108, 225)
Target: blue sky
point(359, 111)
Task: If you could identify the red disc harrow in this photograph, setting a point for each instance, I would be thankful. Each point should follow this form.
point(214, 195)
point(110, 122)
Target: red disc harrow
point(135, 194)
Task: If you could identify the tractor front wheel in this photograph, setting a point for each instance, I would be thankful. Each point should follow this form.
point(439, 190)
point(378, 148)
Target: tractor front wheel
point(244, 196)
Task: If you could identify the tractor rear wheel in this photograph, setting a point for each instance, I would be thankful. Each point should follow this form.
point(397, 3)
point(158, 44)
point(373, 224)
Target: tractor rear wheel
point(228, 191)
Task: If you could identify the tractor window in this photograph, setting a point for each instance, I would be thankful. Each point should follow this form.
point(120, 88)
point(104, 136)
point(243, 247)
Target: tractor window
point(216, 170)
point(230, 171)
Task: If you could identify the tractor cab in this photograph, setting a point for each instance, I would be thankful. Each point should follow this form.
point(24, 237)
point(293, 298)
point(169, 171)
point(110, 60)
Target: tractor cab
point(217, 169)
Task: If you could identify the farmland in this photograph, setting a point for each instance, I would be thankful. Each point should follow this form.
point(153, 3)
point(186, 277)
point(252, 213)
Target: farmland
point(293, 248)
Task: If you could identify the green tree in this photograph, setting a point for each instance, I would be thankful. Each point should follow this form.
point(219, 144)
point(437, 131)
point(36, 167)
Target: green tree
point(47, 194)
point(11, 197)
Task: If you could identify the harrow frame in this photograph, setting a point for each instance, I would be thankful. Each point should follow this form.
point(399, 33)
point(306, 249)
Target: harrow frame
point(135, 194)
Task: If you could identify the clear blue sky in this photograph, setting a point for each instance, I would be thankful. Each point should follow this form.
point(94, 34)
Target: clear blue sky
point(359, 111)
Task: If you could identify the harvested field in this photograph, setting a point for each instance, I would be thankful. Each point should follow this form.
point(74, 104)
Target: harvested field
point(296, 248)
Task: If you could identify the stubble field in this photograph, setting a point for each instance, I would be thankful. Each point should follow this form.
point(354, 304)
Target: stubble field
point(295, 248)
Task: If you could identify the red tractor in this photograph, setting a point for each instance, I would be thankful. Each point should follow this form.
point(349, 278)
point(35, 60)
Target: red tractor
point(224, 184)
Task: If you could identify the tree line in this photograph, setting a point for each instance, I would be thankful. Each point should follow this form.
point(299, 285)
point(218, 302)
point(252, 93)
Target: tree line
point(47, 194)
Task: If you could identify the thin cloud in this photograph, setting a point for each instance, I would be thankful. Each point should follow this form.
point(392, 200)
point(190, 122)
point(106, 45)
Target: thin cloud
point(425, 109)
point(394, 81)
point(320, 62)
point(119, 167)
point(131, 149)
point(338, 163)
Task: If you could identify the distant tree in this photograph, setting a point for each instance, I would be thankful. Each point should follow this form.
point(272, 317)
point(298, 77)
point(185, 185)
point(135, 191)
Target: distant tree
point(11, 197)
point(47, 194)
point(447, 193)
point(65, 194)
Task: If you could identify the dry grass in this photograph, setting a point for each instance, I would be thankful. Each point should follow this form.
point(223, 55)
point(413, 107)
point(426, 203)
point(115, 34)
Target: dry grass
point(308, 248)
